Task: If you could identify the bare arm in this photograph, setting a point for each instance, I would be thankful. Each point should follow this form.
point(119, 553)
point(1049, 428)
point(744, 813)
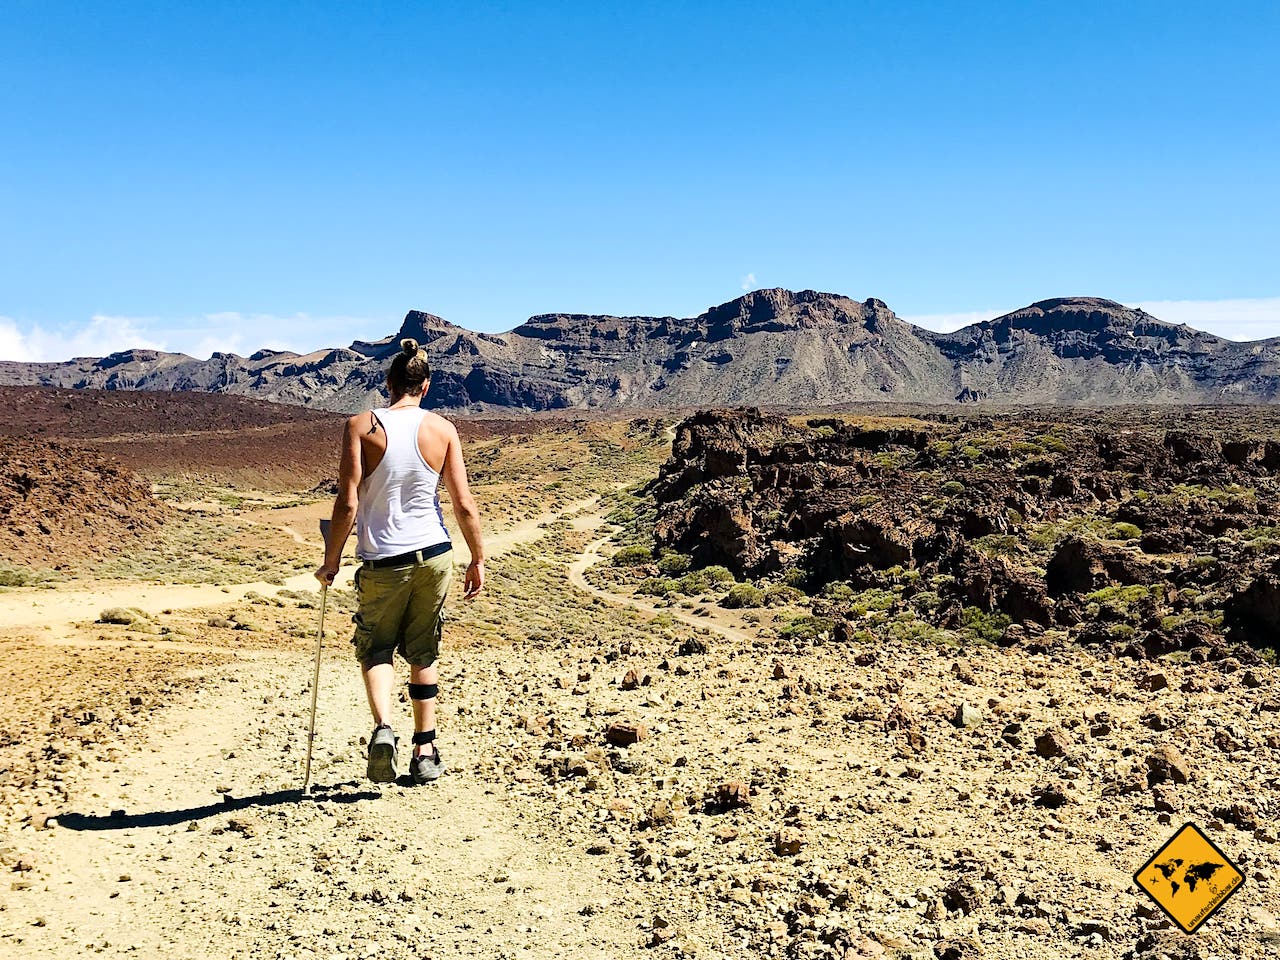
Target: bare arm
point(350, 473)
point(465, 511)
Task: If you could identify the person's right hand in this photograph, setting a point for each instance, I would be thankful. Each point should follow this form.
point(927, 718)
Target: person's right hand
point(474, 580)
point(326, 573)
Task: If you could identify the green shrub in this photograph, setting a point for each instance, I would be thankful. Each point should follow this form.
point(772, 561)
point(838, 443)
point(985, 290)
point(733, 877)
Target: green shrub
point(874, 599)
point(952, 488)
point(632, 556)
point(912, 629)
point(1126, 531)
point(717, 574)
point(118, 615)
point(926, 601)
point(987, 627)
point(805, 628)
point(838, 590)
point(892, 459)
point(999, 545)
point(1119, 600)
point(693, 583)
point(674, 564)
point(13, 577)
point(1053, 444)
point(658, 586)
point(743, 595)
point(795, 577)
point(778, 594)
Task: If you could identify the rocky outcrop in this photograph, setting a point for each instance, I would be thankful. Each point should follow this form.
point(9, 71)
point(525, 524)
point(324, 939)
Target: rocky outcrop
point(770, 347)
point(60, 503)
point(1148, 539)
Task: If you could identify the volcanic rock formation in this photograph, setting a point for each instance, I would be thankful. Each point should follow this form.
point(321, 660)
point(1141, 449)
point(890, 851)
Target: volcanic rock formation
point(770, 347)
point(1146, 539)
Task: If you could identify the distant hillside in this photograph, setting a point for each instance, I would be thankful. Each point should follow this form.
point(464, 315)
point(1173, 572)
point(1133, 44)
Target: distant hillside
point(771, 347)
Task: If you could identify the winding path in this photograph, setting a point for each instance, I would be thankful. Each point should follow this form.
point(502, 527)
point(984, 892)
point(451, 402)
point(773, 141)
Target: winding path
point(53, 609)
point(590, 556)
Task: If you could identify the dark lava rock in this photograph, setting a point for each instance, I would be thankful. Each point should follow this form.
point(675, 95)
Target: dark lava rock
point(957, 948)
point(1166, 765)
point(1032, 528)
point(1253, 614)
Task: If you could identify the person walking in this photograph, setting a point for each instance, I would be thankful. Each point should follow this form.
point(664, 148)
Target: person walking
point(392, 462)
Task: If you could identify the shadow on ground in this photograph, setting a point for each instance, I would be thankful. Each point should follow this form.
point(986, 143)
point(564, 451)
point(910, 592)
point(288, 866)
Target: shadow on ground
point(337, 793)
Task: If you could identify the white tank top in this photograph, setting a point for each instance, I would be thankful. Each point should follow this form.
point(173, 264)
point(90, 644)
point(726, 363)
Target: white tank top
point(399, 508)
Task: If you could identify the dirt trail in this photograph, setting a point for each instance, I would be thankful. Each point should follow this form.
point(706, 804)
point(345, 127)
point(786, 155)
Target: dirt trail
point(55, 610)
point(209, 852)
point(591, 556)
point(195, 844)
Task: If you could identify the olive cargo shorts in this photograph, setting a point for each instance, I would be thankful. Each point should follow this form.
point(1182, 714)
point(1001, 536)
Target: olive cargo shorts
point(401, 608)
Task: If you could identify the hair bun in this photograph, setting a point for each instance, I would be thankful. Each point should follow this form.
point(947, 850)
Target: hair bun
point(409, 346)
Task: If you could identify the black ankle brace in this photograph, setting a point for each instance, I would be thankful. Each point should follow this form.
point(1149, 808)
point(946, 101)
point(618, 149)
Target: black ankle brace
point(423, 691)
point(428, 736)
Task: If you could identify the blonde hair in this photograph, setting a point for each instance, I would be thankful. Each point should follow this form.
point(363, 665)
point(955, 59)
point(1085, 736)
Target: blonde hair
point(409, 371)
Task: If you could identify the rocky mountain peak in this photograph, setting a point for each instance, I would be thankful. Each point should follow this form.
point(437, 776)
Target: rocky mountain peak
point(1088, 315)
point(424, 327)
point(776, 310)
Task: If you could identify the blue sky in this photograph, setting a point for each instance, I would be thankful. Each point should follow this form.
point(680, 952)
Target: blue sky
point(234, 175)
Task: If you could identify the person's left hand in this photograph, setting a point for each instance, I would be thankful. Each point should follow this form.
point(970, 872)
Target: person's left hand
point(326, 573)
point(474, 579)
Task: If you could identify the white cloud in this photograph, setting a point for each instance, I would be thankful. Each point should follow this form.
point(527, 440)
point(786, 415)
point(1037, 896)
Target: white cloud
point(749, 282)
point(1244, 319)
point(13, 344)
point(102, 335)
point(231, 331)
point(226, 331)
point(946, 322)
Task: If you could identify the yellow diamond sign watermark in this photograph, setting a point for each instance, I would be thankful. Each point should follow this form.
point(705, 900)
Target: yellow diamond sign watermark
point(1189, 878)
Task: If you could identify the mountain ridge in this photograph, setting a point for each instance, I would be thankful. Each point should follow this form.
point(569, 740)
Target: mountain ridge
point(771, 347)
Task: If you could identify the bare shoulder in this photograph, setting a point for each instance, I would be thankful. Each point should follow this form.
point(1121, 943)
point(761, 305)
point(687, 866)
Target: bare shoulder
point(440, 426)
point(358, 423)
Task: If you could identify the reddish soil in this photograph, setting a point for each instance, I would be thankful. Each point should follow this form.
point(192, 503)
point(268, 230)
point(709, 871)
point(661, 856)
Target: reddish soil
point(237, 439)
point(59, 502)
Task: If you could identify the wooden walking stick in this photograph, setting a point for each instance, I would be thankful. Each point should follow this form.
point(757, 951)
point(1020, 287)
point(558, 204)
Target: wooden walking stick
point(315, 679)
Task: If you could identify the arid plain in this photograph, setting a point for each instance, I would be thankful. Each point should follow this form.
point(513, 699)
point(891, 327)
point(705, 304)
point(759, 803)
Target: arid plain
point(927, 748)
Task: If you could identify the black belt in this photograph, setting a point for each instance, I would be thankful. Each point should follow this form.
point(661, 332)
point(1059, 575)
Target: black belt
point(404, 559)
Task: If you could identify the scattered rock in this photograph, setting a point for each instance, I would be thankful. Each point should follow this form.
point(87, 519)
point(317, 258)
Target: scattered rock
point(1051, 796)
point(902, 721)
point(1052, 743)
point(1167, 765)
point(957, 948)
point(625, 734)
point(788, 842)
point(732, 795)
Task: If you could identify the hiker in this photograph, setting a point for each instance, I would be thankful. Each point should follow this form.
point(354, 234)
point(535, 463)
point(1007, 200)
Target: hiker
point(388, 476)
